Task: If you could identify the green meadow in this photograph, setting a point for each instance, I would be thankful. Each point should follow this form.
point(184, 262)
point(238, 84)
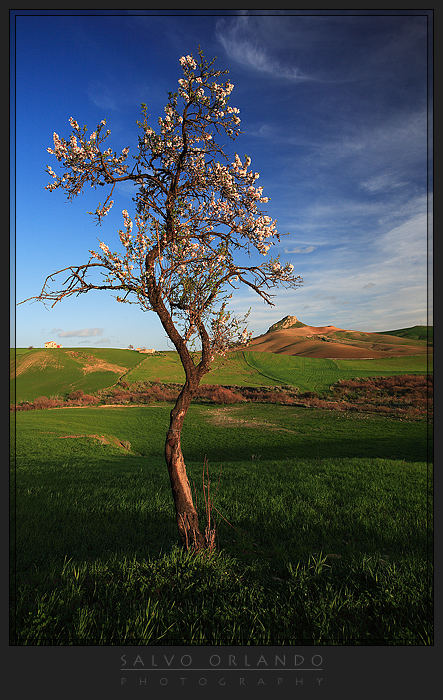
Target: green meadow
point(315, 374)
point(425, 333)
point(240, 368)
point(324, 528)
point(63, 373)
point(245, 368)
point(324, 518)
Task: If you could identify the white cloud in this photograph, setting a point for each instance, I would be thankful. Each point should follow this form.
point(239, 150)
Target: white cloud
point(81, 333)
point(241, 40)
point(384, 154)
point(381, 289)
point(405, 245)
point(300, 250)
point(382, 183)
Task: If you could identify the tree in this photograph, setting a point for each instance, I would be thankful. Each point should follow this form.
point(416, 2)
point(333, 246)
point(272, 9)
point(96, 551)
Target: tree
point(197, 222)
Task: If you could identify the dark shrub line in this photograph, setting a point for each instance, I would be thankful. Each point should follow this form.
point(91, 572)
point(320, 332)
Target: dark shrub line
point(409, 396)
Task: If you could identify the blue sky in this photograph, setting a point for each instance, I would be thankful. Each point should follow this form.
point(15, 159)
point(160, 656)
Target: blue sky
point(336, 114)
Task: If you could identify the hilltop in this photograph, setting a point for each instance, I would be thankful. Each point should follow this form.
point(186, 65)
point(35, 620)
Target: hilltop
point(286, 322)
point(290, 336)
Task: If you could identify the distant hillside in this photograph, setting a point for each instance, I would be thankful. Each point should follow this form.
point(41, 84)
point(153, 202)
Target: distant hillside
point(61, 371)
point(290, 336)
point(321, 355)
point(415, 332)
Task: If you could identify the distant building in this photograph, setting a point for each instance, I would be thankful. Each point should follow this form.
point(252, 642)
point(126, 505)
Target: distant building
point(147, 351)
point(52, 344)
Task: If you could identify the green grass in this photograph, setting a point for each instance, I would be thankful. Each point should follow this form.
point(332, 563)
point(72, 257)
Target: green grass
point(67, 375)
point(268, 369)
point(237, 368)
point(327, 541)
point(314, 374)
point(415, 332)
point(229, 370)
point(164, 367)
point(281, 324)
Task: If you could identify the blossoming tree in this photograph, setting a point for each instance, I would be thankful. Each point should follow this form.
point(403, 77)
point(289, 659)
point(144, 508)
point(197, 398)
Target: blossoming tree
point(196, 219)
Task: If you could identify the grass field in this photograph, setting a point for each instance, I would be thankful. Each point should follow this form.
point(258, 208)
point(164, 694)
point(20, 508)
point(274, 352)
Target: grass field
point(243, 368)
point(425, 333)
point(49, 372)
point(327, 543)
point(58, 372)
point(313, 374)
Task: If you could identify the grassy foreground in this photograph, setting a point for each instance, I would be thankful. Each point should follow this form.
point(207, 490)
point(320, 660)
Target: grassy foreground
point(327, 540)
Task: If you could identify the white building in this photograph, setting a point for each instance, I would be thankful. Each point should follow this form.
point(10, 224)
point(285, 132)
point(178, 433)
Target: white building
point(52, 344)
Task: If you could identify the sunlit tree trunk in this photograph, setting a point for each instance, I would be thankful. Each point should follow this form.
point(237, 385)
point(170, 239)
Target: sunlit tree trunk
point(186, 514)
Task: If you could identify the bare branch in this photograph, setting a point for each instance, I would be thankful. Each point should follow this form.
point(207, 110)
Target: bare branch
point(74, 284)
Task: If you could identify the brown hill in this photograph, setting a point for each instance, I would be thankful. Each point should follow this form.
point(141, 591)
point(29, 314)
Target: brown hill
point(291, 337)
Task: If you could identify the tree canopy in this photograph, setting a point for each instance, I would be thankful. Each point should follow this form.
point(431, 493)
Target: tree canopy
point(194, 213)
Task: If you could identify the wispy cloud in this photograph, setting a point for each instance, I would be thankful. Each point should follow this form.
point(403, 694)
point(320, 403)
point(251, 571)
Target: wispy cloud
point(81, 333)
point(102, 95)
point(300, 250)
point(384, 182)
point(240, 38)
point(384, 155)
point(127, 188)
point(103, 341)
point(381, 289)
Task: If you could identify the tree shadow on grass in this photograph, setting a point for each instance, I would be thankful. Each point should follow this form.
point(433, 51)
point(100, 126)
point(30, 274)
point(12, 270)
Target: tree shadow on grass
point(63, 516)
point(276, 546)
point(71, 524)
point(49, 530)
point(284, 446)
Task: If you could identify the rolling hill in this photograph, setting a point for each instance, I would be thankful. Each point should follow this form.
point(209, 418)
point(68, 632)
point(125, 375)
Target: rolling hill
point(415, 332)
point(238, 368)
point(57, 371)
point(290, 352)
point(290, 336)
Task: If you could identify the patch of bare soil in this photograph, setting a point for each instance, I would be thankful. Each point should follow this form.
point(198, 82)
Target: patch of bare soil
point(105, 440)
point(223, 417)
point(89, 363)
point(36, 360)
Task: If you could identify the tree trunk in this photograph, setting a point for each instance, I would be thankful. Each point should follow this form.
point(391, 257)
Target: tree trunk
point(186, 514)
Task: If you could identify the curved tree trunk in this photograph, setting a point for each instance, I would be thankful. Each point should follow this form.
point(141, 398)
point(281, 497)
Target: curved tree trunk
point(186, 514)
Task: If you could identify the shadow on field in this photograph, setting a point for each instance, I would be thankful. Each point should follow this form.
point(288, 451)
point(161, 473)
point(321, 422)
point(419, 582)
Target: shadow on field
point(278, 545)
point(74, 523)
point(52, 531)
point(112, 507)
point(281, 445)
